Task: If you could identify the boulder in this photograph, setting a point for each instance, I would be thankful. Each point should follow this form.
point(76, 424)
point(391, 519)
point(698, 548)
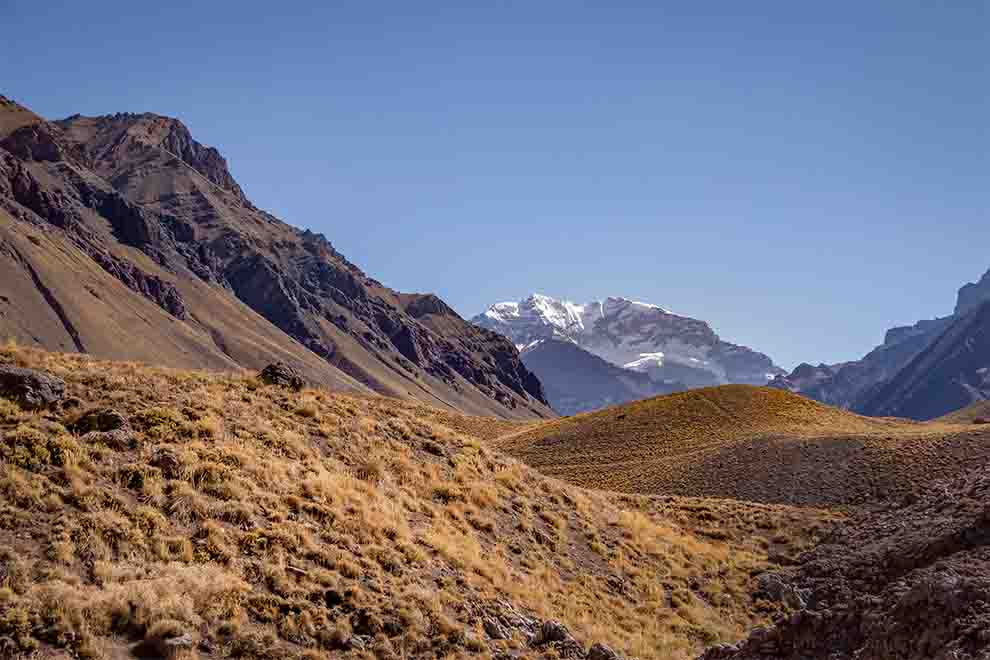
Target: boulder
point(602, 652)
point(100, 419)
point(168, 462)
point(282, 375)
point(118, 439)
point(495, 629)
point(174, 645)
point(771, 586)
point(31, 389)
point(551, 631)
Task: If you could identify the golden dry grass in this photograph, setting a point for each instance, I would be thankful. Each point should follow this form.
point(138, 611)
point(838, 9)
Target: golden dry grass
point(288, 525)
point(752, 443)
point(975, 413)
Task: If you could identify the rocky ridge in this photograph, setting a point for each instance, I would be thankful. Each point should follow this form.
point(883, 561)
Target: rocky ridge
point(950, 374)
point(854, 384)
point(161, 214)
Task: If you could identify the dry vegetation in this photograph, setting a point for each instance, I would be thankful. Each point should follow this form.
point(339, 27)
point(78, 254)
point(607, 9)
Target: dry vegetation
point(265, 523)
point(751, 443)
point(975, 413)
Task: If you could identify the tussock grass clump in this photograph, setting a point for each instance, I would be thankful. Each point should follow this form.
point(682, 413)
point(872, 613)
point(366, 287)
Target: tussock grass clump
point(255, 522)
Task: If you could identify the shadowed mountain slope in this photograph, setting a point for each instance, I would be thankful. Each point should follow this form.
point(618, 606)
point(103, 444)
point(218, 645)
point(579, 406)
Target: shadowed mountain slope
point(124, 237)
point(576, 380)
point(855, 385)
point(952, 373)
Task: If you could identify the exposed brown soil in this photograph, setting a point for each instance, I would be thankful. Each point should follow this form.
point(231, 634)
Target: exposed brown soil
point(750, 443)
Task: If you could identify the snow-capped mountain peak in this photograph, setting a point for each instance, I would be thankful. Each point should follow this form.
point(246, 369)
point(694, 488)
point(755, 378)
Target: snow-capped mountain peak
point(545, 315)
point(631, 334)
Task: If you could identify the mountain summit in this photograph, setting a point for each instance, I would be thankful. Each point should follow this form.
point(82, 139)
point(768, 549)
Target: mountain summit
point(123, 237)
point(675, 352)
point(635, 335)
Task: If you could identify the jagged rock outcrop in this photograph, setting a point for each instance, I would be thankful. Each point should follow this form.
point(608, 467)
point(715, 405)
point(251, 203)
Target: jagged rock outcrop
point(136, 196)
point(973, 294)
point(910, 583)
point(282, 375)
point(30, 388)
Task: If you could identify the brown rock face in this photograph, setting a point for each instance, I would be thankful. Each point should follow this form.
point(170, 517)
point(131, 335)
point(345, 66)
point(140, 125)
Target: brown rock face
point(282, 375)
point(133, 199)
point(911, 583)
point(32, 389)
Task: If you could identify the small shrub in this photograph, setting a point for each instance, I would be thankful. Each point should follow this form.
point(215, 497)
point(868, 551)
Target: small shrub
point(307, 409)
point(447, 492)
point(158, 422)
point(370, 470)
point(9, 411)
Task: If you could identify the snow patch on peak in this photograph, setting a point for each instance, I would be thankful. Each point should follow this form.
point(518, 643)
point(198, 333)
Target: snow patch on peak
point(502, 311)
point(645, 362)
point(522, 348)
point(613, 302)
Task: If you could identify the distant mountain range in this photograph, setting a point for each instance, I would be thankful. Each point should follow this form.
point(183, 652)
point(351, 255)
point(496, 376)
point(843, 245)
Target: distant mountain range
point(641, 349)
point(921, 371)
point(124, 237)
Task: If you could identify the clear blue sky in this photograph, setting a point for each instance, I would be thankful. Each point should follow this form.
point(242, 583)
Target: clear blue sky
point(803, 175)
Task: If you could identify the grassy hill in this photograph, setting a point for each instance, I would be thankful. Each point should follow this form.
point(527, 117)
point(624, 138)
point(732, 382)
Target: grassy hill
point(746, 442)
point(975, 413)
point(219, 517)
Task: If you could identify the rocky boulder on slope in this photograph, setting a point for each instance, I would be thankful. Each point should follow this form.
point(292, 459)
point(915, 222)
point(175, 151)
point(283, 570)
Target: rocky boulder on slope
point(905, 584)
point(32, 389)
